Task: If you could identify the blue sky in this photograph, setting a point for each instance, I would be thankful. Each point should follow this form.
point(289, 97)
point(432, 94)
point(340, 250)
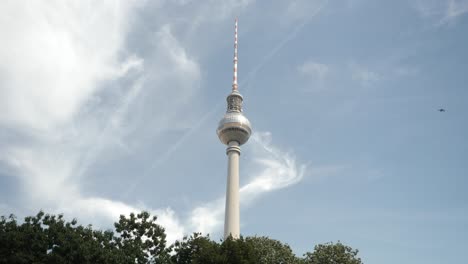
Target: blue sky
point(110, 107)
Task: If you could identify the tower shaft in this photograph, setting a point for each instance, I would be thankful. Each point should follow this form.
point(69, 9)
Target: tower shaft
point(232, 212)
point(233, 130)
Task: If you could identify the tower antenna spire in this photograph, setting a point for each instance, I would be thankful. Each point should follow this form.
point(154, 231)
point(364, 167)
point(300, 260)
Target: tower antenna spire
point(234, 130)
point(234, 79)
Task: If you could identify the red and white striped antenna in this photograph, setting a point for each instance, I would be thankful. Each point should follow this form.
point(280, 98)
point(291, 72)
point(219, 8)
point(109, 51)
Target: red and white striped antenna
point(234, 79)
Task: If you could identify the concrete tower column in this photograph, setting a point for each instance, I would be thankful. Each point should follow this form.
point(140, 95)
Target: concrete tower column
point(234, 130)
point(232, 214)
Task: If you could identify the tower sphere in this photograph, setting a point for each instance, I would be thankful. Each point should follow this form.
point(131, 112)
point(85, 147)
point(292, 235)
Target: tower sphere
point(234, 126)
point(234, 129)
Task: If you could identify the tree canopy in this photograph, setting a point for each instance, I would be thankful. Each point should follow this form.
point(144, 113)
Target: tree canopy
point(330, 253)
point(137, 238)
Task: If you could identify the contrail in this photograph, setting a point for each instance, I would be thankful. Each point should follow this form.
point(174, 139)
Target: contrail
point(281, 44)
point(205, 117)
point(89, 156)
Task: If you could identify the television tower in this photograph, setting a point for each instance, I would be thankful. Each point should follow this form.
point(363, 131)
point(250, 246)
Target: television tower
point(233, 130)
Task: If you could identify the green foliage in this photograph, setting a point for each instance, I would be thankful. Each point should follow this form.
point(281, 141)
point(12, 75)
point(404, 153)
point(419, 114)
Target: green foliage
point(271, 251)
point(50, 239)
point(141, 239)
point(238, 251)
point(197, 249)
point(258, 250)
point(45, 238)
point(330, 253)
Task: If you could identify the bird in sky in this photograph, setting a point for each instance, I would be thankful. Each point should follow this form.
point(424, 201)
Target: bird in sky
point(441, 110)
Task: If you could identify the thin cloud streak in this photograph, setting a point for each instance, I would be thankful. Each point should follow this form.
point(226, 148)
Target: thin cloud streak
point(184, 66)
point(441, 11)
point(65, 134)
point(244, 84)
point(52, 165)
point(282, 43)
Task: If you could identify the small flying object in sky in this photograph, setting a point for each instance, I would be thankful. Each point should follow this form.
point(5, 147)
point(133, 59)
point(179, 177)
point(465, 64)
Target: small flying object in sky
point(441, 110)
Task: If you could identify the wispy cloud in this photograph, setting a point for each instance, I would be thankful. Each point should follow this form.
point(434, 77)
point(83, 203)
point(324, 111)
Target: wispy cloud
point(456, 8)
point(298, 10)
point(208, 218)
point(72, 94)
point(441, 11)
point(363, 75)
point(279, 169)
point(314, 69)
point(57, 68)
point(272, 169)
point(54, 56)
point(388, 68)
point(406, 71)
point(245, 81)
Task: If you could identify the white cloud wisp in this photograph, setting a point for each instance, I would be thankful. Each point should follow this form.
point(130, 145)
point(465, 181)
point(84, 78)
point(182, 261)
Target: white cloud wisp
point(441, 11)
point(272, 170)
point(56, 64)
point(314, 69)
point(53, 57)
point(363, 75)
